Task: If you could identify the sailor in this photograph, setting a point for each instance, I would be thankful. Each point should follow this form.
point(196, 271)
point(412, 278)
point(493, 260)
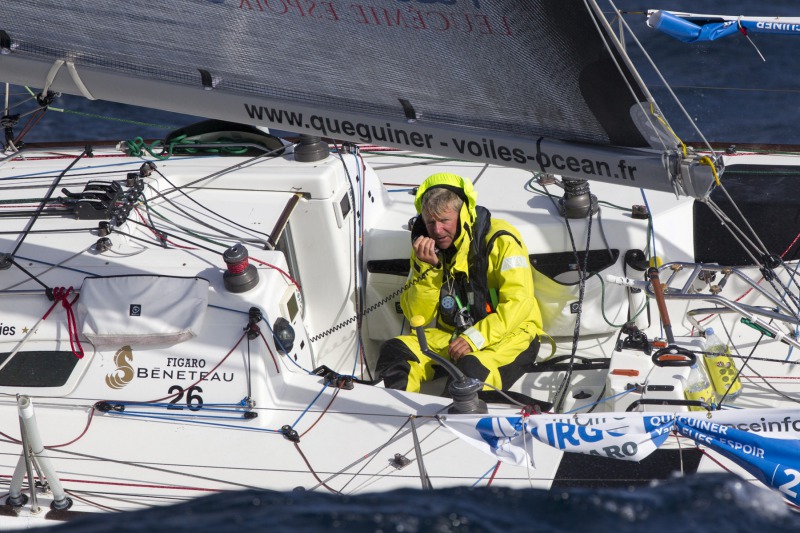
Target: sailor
point(472, 274)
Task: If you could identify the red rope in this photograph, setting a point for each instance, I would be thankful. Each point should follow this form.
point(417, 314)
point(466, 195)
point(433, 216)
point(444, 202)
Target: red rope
point(79, 437)
point(277, 369)
point(722, 466)
point(284, 273)
point(494, 473)
point(76, 439)
point(333, 397)
point(238, 268)
point(60, 295)
point(157, 234)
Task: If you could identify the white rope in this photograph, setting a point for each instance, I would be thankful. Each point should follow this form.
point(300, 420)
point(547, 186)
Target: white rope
point(73, 73)
point(746, 36)
point(528, 463)
point(51, 75)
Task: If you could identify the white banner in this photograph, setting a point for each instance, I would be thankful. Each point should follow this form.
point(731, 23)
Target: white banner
point(631, 436)
point(765, 442)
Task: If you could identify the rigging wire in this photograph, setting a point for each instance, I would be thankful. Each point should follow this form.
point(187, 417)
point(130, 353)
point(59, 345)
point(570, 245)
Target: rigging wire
point(662, 78)
point(48, 195)
point(562, 389)
point(209, 210)
point(149, 209)
point(233, 168)
point(617, 59)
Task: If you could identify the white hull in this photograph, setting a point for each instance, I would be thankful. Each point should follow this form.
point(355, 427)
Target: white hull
point(150, 452)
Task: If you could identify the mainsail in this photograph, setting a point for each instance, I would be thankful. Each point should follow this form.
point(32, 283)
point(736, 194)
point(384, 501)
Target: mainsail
point(539, 85)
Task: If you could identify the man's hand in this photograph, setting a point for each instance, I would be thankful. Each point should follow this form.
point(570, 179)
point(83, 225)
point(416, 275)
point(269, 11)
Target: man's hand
point(458, 348)
point(425, 249)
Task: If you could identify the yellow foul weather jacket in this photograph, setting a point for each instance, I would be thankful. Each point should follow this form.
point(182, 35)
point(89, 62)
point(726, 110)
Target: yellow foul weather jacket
point(515, 322)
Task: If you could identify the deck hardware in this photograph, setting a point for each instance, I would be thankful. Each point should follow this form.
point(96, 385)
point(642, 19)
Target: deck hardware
point(640, 212)
point(399, 461)
point(464, 390)
point(339, 381)
point(96, 202)
point(240, 275)
point(254, 317)
point(283, 335)
point(636, 339)
point(103, 244)
point(310, 149)
point(146, 169)
point(578, 201)
point(290, 433)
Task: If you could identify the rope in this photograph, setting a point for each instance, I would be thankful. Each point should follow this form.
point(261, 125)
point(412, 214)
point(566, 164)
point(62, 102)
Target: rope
point(79, 437)
point(561, 392)
point(271, 354)
point(603, 304)
point(61, 296)
point(138, 146)
point(705, 160)
point(333, 397)
point(308, 407)
point(598, 402)
point(312, 471)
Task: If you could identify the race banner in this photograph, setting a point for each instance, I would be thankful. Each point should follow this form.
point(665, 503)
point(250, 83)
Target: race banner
point(624, 436)
point(764, 442)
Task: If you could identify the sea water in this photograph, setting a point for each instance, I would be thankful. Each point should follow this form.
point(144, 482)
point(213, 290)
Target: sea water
point(712, 503)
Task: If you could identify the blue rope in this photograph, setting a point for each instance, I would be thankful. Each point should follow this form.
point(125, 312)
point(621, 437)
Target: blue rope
point(56, 265)
point(186, 417)
point(279, 343)
point(179, 407)
point(600, 401)
point(172, 419)
point(325, 386)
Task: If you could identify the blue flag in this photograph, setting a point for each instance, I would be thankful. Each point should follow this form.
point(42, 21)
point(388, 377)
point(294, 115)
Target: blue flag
point(696, 28)
point(773, 461)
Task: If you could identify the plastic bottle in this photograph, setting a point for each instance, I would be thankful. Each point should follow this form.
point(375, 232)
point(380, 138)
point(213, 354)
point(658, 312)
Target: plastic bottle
point(698, 386)
point(721, 367)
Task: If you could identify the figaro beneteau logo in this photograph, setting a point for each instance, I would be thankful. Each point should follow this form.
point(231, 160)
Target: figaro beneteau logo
point(123, 374)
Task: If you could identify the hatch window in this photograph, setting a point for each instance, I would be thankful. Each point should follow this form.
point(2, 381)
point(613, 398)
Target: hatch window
point(37, 369)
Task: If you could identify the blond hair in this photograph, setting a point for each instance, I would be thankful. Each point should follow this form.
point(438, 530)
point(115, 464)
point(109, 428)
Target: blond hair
point(438, 200)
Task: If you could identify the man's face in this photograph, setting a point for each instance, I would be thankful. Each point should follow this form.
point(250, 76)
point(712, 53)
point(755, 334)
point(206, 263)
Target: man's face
point(442, 227)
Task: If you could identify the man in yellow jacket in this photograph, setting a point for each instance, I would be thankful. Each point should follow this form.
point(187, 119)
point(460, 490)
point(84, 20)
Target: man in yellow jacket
point(472, 274)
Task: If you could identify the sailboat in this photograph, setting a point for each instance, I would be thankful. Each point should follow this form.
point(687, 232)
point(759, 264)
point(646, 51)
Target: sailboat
point(203, 312)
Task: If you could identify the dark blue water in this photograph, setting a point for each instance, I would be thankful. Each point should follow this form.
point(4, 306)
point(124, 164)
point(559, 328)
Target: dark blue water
point(732, 95)
point(704, 503)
